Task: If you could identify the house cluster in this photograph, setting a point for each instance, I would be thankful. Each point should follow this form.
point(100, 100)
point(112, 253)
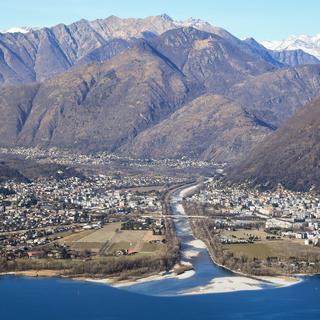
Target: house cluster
point(59, 156)
point(290, 213)
point(156, 225)
point(34, 214)
point(52, 250)
point(19, 244)
point(179, 163)
point(74, 158)
point(119, 181)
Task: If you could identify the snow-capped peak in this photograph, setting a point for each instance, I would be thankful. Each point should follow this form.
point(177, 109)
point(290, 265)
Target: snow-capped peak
point(309, 44)
point(17, 30)
point(192, 22)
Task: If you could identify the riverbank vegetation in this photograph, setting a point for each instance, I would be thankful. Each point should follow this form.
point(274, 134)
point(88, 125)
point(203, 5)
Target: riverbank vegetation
point(123, 267)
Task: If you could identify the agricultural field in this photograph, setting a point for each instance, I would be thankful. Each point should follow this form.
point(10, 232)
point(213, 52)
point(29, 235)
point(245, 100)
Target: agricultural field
point(284, 248)
point(110, 239)
point(102, 235)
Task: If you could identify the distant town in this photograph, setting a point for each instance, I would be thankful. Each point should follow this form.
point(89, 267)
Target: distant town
point(72, 158)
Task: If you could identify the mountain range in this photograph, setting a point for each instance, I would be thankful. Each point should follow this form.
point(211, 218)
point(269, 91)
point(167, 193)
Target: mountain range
point(40, 53)
point(288, 57)
point(149, 88)
point(309, 44)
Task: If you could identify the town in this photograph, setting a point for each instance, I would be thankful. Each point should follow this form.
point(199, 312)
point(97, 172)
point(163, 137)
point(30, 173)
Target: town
point(74, 158)
point(39, 214)
point(247, 223)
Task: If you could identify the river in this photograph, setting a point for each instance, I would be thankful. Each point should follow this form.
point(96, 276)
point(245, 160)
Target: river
point(194, 252)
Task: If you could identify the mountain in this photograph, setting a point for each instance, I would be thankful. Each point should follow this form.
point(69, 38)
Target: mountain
point(40, 54)
point(15, 106)
point(95, 106)
point(227, 127)
point(291, 58)
point(263, 52)
point(209, 127)
point(289, 156)
point(33, 54)
point(273, 97)
point(28, 55)
point(306, 43)
point(294, 57)
point(102, 106)
point(130, 85)
point(209, 59)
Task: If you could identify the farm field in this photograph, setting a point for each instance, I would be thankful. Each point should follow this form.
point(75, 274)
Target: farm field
point(110, 239)
point(102, 235)
point(277, 248)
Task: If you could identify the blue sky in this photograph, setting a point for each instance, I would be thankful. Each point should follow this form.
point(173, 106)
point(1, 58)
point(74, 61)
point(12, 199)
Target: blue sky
point(273, 19)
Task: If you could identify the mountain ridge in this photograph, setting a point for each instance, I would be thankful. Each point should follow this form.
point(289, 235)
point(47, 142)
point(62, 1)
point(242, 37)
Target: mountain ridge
point(42, 53)
point(309, 44)
point(138, 86)
point(290, 155)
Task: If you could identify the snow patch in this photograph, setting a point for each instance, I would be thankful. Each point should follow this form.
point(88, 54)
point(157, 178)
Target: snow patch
point(309, 44)
point(17, 30)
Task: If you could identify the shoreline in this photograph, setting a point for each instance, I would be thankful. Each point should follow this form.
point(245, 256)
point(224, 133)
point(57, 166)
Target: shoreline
point(233, 283)
point(279, 281)
point(112, 281)
point(267, 278)
point(236, 281)
point(239, 283)
point(131, 282)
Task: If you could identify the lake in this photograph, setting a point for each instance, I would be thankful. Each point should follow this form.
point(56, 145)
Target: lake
point(57, 299)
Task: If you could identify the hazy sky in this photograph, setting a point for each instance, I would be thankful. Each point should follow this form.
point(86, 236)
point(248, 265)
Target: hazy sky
point(272, 19)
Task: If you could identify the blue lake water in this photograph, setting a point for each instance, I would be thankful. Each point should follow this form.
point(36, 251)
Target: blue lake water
point(59, 299)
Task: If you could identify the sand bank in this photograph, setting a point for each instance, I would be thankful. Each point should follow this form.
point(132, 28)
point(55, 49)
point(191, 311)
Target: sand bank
point(239, 283)
point(126, 283)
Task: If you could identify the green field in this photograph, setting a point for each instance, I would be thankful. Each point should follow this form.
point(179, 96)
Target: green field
point(279, 248)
